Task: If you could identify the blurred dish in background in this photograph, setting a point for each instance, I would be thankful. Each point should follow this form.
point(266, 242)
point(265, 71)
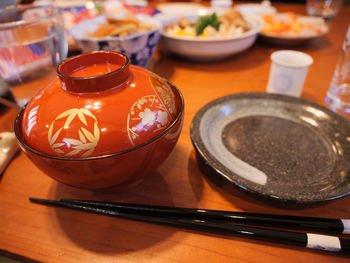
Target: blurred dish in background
point(120, 28)
point(128, 8)
point(207, 46)
point(326, 9)
point(178, 9)
point(290, 28)
point(138, 46)
point(171, 11)
point(231, 23)
point(78, 10)
point(217, 5)
point(264, 8)
point(4, 3)
point(74, 12)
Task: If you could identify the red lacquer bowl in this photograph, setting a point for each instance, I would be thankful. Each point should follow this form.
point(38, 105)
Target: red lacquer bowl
point(101, 123)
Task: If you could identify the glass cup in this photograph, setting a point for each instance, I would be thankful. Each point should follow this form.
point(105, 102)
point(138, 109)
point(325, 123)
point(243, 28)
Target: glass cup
point(288, 72)
point(338, 95)
point(326, 9)
point(32, 44)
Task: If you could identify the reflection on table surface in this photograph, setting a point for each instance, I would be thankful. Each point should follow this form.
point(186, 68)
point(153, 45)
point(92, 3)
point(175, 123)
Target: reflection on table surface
point(31, 232)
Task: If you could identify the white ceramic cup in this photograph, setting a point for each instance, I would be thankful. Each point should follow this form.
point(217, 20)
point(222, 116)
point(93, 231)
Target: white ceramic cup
point(288, 72)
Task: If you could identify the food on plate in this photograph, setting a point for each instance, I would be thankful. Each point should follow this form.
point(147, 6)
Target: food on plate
point(120, 28)
point(289, 24)
point(73, 15)
point(229, 24)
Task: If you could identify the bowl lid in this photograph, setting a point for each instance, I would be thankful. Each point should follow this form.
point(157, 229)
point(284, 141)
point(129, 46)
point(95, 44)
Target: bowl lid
point(98, 105)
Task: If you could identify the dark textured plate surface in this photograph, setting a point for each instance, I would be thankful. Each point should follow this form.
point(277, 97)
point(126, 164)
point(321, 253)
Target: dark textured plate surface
point(276, 146)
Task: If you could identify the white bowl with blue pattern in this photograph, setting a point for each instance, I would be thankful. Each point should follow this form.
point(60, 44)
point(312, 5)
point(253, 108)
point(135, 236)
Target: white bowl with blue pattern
point(138, 47)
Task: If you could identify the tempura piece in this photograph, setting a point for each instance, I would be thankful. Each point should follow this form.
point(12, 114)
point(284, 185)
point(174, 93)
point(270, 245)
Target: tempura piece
point(120, 28)
point(234, 18)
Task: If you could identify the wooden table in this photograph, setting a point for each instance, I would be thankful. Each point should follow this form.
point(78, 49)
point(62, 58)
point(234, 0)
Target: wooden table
point(34, 232)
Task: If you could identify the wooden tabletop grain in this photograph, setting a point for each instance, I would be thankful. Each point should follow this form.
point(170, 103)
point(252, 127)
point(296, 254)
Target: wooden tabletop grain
point(32, 232)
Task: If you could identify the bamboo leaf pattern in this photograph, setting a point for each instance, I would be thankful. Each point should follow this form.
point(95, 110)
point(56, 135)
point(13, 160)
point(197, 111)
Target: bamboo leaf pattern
point(89, 152)
point(82, 117)
point(96, 132)
point(66, 113)
point(87, 141)
point(70, 118)
point(88, 134)
point(56, 145)
point(86, 146)
point(87, 112)
point(54, 138)
point(59, 151)
point(49, 134)
point(74, 152)
point(82, 137)
point(72, 141)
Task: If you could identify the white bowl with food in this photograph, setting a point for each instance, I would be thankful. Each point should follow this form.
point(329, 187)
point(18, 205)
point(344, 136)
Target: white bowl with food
point(211, 37)
point(136, 37)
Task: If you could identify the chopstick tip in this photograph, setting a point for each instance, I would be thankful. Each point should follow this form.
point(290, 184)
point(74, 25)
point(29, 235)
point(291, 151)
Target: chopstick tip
point(40, 200)
point(33, 199)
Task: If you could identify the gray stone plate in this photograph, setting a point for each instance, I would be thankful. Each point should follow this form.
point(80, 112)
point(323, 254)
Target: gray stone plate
point(275, 146)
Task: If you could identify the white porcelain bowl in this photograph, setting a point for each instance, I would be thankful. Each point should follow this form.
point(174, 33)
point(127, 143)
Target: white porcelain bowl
point(213, 48)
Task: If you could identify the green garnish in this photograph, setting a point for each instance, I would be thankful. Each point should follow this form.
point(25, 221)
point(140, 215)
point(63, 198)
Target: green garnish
point(205, 21)
point(99, 8)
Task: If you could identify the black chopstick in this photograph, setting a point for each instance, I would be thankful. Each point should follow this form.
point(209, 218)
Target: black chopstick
point(309, 240)
point(316, 224)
